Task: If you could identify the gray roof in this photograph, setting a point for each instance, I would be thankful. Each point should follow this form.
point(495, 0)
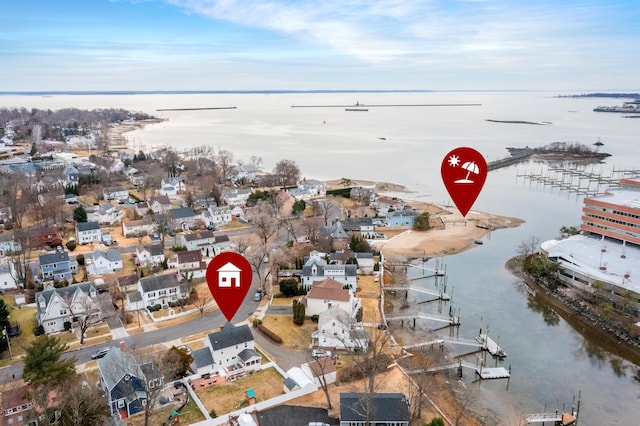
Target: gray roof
point(115, 364)
point(403, 213)
point(364, 255)
point(87, 226)
point(229, 336)
point(64, 292)
point(288, 415)
point(354, 223)
point(112, 255)
point(247, 354)
point(290, 383)
point(155, 249)
point(159, 282)
point(387, 407)
point(181, 213)
point(349, 270)
point(202, 357)
point(200, 235)
point(46, 259)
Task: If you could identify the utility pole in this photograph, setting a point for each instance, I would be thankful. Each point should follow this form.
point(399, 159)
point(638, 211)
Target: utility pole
point(6, 336)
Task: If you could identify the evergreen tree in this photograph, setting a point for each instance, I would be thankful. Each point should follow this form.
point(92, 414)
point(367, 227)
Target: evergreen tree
point(421, 222)
point(42, 363)
point(80, 214)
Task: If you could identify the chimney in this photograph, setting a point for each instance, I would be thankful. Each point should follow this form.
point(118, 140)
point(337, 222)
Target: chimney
point(123, 347)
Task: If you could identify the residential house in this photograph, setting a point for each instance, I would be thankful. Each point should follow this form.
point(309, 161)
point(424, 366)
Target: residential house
point(207, 242)
point(327, 293)
point(385, 205)
point(232, 350)
point(323, 368)
point(360, 226)
point(45, 236)
point(189, 262)
point(125, 381)
point(136, 179)
point(172, 186)
point(237, 211)
point(104, 262)
point(387, 409)
point(57, 266)
point(149, 255)
point(317, 269)
point(183, 218)
point(70, 199)
point(71, 175)
point(159, 204)
point(339, 237)
point(141, 208)
point(7, 274)
point(366, 263)
point(158, 290)
point(402, 217)
point(119, 193)
point(57, 306)
point(245, 172)
point(339, 330)
point(315, 187)
point(217, 217)
point(88, 232)
point(128, 283)
point(105, 214)
point(8, 245)
point(360, 193)
point(18, 407)
point(138, 228)
point(237, 197)
point(203, 202)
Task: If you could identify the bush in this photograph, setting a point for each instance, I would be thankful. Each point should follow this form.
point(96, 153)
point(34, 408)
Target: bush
point(39, 330)
point(289, 287)
point(270, 334)
point(154, 308)
point(67, 326)
point(71, 245)
point(257, 322)
point(315, 318)
point(436, 421)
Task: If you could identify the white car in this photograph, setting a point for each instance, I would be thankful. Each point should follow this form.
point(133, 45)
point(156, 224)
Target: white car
point(320, 353)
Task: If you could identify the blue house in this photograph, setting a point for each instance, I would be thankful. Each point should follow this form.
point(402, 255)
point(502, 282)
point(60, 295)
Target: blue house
point(125, 380)
point(57, 266)
point(402, 217)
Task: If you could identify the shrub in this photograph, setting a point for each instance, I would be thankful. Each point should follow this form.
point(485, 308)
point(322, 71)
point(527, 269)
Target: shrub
point(315, 318)
point(270, 334)
point(67, 326)
point(71, 245)
point(257, 322)
point(38, 330)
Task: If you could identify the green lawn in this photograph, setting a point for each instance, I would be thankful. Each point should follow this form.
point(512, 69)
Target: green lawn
point(24, 316)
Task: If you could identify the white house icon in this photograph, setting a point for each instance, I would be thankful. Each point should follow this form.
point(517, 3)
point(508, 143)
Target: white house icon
point(229, 275)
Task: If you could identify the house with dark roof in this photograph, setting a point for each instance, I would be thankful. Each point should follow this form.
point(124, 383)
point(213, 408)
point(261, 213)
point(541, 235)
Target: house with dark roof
point(361, 226)
point(159, 204)
point(232, 350)
point(57, 266)
point(88, 232)
point(379, 409)
point(126, 380)
point(172, 186)
point(183, 218)
point(18, 407)
point(104, 262)
point(57, 306)
point(150, 255)
point(128, 283)
point(158, 290)
point(216, 217)
point(44, 236)
point(316, 268)
point(189, 262)
point(200, 240)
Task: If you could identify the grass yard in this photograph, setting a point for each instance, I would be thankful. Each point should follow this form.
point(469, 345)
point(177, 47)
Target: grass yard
point(284, 301)
point(227, 396)
point(26, 317)
point(188, 415)
point(293, 336)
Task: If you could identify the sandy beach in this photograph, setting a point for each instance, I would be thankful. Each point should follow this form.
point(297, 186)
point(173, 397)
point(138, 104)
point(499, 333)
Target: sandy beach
point(450, 232)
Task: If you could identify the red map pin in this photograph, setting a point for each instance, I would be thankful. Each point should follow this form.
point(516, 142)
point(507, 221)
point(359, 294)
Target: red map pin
point(229, 277)
point(464, 171)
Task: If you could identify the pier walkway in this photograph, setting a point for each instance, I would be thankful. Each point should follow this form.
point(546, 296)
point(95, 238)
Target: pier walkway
point(451, 320)
point(439, 295)
point(483, 373)
point(483, 342)
point(564, 419)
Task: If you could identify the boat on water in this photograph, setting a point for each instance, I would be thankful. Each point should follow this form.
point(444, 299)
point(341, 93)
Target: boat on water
point(630, 106)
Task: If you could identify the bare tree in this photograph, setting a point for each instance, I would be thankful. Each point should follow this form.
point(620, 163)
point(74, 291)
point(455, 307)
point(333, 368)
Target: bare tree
point(327, 209)
point(20, 256)
point(204, 297)
point(89, 310)
point(264, 222)
point(225, 158)
point(15, 192)
point(170, 161)
point(81, 404)
point(287, 172)
point(322, 366)
point(466, 399)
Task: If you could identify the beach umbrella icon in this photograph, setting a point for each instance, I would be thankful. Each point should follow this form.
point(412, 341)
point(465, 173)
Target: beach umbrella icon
point(470, 167)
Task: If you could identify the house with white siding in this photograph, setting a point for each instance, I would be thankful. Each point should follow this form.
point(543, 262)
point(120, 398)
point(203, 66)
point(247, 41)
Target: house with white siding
point(327, 293)
point(137, 228)
point(158, 290)
point(119, 193)
point(339, 330)
point(149, 255)
point(104, 262)
point(56, 306)
point(316, 268)
point(232, 350)
point(88, 233)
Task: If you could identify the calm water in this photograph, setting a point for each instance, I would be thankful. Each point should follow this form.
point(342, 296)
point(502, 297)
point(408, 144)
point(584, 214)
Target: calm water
point(551, 361)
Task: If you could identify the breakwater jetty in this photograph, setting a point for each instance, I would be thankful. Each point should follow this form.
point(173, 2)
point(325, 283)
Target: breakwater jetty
point(359, 105)
point(196, 108)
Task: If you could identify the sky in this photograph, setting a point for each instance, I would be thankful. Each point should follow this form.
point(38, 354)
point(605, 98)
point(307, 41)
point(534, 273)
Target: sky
point(151, 45)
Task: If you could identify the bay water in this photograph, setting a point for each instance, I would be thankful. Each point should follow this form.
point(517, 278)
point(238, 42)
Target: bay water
point(551, 361)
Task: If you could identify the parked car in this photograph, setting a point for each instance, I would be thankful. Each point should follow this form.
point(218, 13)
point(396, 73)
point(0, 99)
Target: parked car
point(100, 353)
point(320, 353)
point(258, 296)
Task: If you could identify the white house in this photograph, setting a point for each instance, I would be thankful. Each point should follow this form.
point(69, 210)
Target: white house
point(119, 193)
point(385, 205)
point(56, 306)
point(200, 240)
point(338, 330)
point(104, 262)
point(171, 186)
point(237, 197)
point(150, 255)
point(232, 350)
point(159, 204)
point(88, 233)
point(7, 272)
point(183, 218)
point(315, 187)
point(104, 214)
point(189, 262)
point(322, 368)
point(295, 378)
point(365, 261)
point(317, 269)
point(158, 290)
point(136, 228)
point(327, 293)
point(8, 244)
point(216, 217)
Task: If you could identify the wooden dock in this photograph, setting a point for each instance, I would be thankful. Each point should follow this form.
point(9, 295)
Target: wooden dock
point(491, 346)
point(438, 295)
point(482, 373)
point(564, 419)
point(451, 319)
